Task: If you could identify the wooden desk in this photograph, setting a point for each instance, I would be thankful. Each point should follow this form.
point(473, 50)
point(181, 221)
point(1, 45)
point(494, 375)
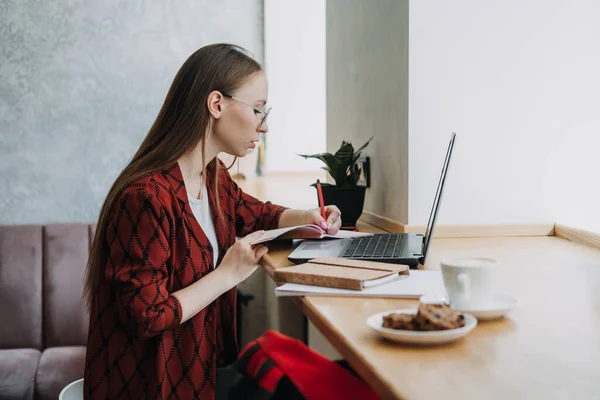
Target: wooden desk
point(548, 348)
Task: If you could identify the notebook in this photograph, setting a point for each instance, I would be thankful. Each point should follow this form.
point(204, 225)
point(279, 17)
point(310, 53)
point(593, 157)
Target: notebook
point(308, 231)
point(417, 284)
point(341, 273)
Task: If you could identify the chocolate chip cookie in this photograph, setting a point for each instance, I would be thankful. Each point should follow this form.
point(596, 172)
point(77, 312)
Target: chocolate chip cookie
point(400, 321)
point(437, 317)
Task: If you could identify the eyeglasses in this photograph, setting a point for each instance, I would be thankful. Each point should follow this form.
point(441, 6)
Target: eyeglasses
point(256, 110)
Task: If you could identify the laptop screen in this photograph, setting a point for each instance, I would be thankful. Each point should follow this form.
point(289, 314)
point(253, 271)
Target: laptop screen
point(437, 199)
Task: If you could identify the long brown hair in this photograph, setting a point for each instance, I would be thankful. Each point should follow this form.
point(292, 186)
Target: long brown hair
point(181, 124)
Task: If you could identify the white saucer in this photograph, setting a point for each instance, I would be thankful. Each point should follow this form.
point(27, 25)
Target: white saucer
point(497, 306)
point(418, 337)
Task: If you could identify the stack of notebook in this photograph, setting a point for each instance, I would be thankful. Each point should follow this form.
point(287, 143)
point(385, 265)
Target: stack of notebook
point(341, 273)
point(356, 278)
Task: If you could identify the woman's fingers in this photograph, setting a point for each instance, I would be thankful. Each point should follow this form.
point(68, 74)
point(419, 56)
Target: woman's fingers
point(333, 214)
point(260, 252)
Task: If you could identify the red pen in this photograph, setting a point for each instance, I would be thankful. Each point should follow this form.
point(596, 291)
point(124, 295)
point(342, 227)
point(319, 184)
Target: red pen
point(321, 202)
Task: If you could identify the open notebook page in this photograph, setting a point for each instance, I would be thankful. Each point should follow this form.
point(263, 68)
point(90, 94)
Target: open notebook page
point(305, 232)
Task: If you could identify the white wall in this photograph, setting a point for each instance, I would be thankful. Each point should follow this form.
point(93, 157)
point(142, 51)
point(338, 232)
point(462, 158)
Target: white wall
point(519, 82)
point(295, 65)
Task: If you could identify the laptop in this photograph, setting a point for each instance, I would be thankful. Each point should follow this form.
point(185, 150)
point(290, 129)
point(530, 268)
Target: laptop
point(397, 248)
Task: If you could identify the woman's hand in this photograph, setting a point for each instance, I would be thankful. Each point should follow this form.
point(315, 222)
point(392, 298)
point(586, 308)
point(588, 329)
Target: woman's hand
point(241, 260)
point(334, 219)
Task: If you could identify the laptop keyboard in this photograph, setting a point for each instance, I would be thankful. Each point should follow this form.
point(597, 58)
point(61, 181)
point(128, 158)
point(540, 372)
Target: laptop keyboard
point(376, 246)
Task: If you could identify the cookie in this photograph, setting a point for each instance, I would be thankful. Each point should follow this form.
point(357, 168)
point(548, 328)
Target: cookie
point(436, 317)
point(400, 321)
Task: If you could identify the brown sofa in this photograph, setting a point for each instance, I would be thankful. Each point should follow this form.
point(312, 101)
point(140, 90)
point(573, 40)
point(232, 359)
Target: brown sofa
point(43, 319)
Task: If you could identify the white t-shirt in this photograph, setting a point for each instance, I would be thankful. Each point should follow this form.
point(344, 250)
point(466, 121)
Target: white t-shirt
point(202, 212)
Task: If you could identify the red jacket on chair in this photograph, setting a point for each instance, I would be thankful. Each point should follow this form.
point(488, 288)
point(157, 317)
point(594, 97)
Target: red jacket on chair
point(137, 347)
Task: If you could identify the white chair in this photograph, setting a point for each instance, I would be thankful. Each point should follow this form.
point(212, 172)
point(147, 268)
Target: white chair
point(73, 391)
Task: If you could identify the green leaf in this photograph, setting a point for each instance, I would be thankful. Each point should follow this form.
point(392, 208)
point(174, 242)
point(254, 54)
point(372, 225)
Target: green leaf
point(356, 174)
point(319, 156)
point(334, 167)
point(342, 166)
point(344, 154)
point(355, 158)
point(328, 158)
point(358, 153)
point(363, 147)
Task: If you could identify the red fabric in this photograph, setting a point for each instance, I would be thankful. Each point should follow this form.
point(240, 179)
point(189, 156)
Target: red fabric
point(137, 347)
point(315, 376)
point(271, 379)
point(255, 363)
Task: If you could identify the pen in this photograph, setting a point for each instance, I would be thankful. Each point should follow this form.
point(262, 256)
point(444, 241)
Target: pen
point(321, 202)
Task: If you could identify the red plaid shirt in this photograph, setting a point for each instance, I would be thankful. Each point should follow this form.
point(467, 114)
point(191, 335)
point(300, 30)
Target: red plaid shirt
point(137, 346)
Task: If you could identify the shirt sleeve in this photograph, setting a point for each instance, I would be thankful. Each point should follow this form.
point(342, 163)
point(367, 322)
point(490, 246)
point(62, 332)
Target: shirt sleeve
point(137, 265)
point(252, 214)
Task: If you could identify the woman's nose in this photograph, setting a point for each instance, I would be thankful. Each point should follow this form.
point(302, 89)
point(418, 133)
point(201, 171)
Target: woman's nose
point(264, 127)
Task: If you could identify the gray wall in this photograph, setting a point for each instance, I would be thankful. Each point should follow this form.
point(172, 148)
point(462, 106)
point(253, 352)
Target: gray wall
point(367, 93)
point(80, 85)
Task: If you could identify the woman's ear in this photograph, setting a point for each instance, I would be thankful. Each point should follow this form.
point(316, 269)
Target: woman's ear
point(215, 104)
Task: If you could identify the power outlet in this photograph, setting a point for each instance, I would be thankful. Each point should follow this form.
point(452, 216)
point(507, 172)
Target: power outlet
point(364, 162)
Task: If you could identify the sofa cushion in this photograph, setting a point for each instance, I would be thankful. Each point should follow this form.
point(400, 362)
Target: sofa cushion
point(17, 373)
point(58, 367)
point(21, 286)
point(66, 248)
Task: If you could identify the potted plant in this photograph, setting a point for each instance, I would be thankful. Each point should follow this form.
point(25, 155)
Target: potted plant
point(345, 169)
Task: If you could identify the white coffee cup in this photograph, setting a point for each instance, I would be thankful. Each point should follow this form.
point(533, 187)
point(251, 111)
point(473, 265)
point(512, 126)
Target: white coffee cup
point(468, 281)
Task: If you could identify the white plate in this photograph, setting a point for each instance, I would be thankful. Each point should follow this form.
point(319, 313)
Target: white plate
point(497, 306)
point(419, 337)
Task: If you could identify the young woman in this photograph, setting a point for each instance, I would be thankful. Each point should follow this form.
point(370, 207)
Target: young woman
point(164, 262)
